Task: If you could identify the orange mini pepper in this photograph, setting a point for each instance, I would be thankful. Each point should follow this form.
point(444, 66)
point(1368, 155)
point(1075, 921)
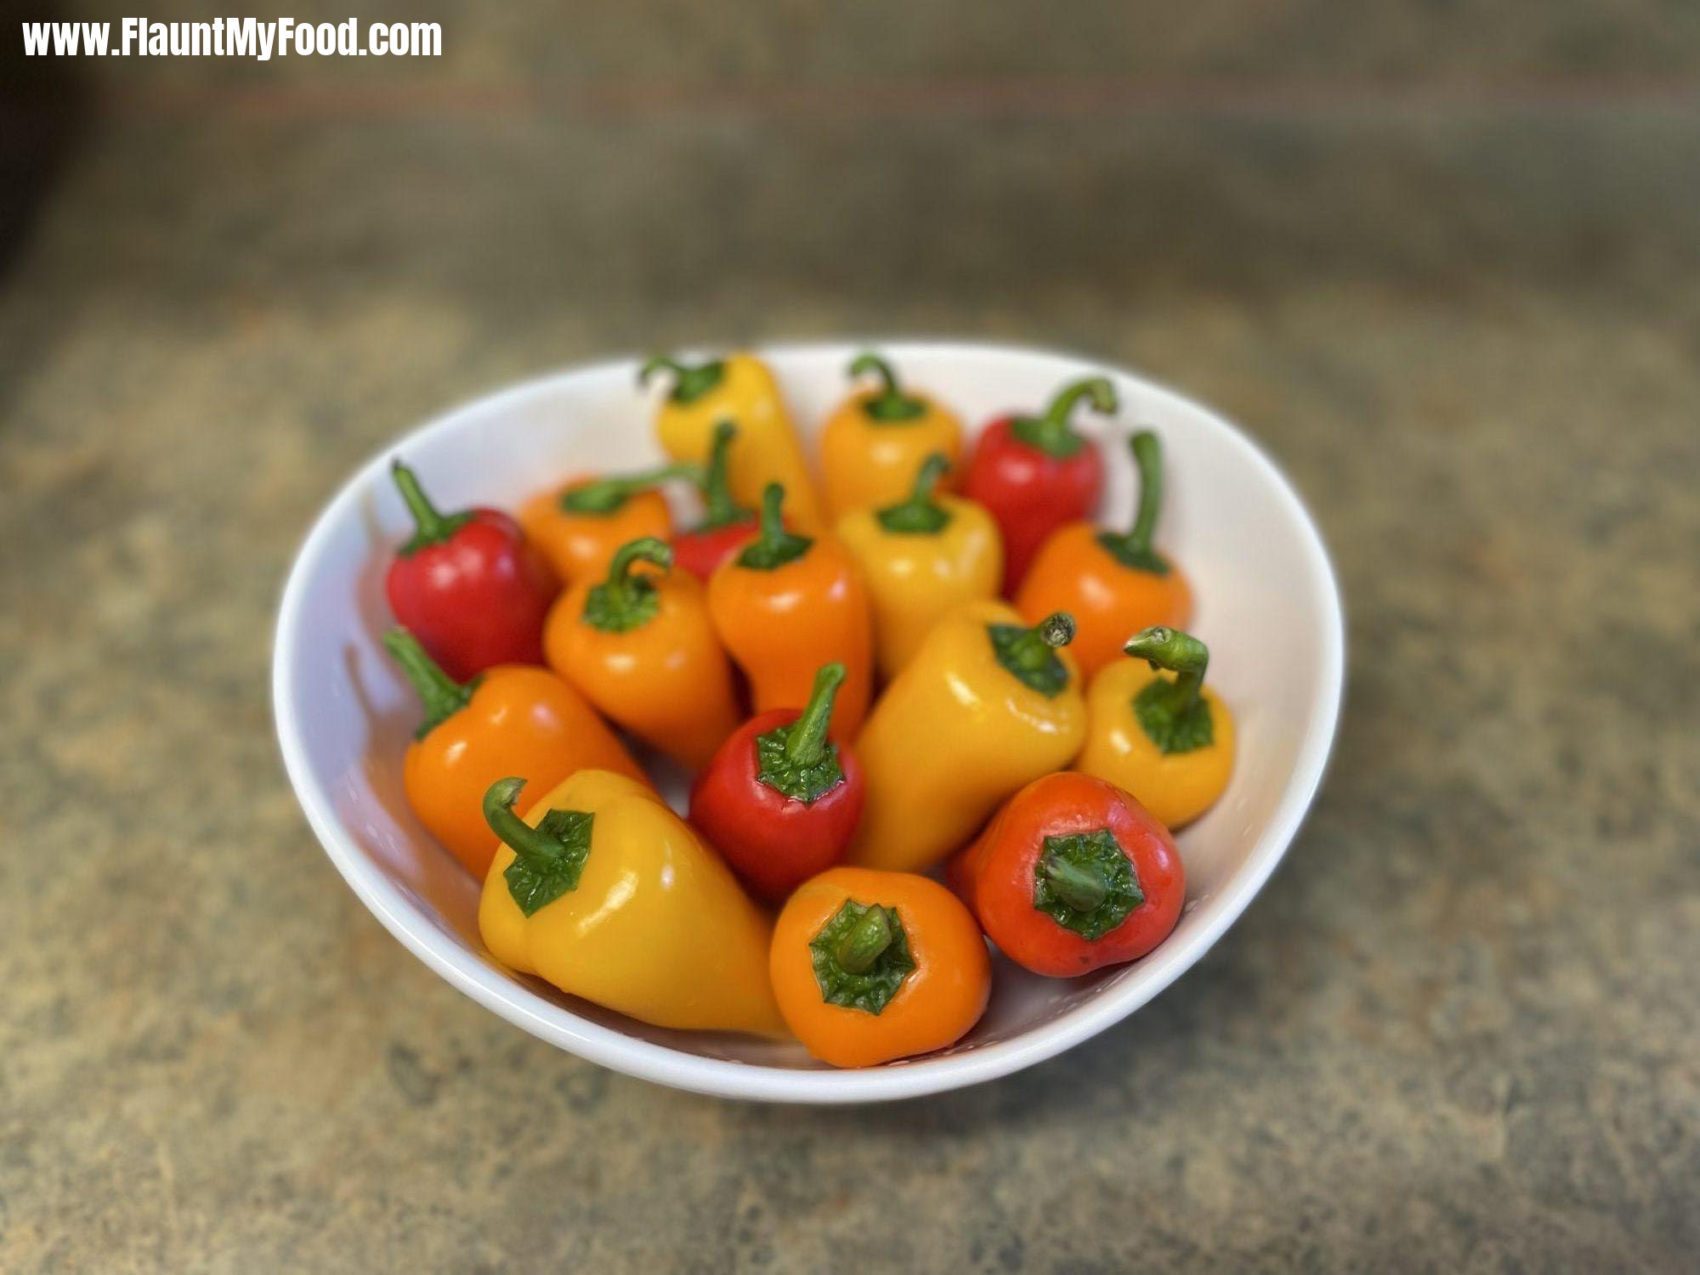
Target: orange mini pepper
point(581, 525)
point(871, 446)
point(641, 648)
point(788, 604)
point(1113, 583)
point(510, 720)
point(873, 966)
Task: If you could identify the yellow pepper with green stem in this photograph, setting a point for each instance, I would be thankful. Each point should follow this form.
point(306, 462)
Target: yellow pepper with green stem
point(986, 706)
point(604, 892)
point(742, 389)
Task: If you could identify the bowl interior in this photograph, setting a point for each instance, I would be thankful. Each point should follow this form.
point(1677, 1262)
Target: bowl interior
point(1266, 604)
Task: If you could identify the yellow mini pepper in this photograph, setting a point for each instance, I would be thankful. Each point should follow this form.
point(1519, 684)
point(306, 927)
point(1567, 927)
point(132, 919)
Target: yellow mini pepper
point(872, 445)
point(922, 558)
point(985, 707)
point(1168, 741)
point(604, 892)
point(739, 388)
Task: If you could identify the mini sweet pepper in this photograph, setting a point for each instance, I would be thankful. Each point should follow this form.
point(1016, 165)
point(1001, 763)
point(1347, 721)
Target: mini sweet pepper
point(1168, 740)
point(1072, 875)
point(638, 644)
point(869, 967)
point(510, 720)
point(742, 389)
point(922, 557)
point(1114, 583)
point(787, 604)
point(871, 446)
point(604, 892)
point(986, 705)
point(579, 526)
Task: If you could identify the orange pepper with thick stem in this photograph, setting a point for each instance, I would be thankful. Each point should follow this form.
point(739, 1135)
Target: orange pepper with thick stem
point(1113, 583)
point(513, 719)
point(788, 604)
point(869, 967)
point(579, 527)
point(641, 648)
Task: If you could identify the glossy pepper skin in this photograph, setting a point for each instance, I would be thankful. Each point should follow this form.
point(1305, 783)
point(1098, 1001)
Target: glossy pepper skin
point(604, 892)
point(1035, 473)
point(580, 526)
point(468, 585)
point(742, 389)
point(1168, 740)
point(872, 445)
point(922, 558)
point(781, 798)
point(869, 967)
point(986, 706)
point(638, 644)
point(1113, 583)
point(788, 604)
point(1072, 875)
point(511, 720)
point(726, 526)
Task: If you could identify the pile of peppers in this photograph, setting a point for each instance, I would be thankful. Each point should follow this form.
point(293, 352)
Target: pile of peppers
point(926, 709)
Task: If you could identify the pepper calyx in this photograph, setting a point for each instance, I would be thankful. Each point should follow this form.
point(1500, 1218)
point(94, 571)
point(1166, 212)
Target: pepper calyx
point(890, 406)
point(689, 383)
point(861, 957)
point(797, 760)
point(1173, 713)
point(1030, 655)
point(773, 546)
point(1086, 883)
point(441, 695)
point(920, 514)
point(430, 525)
point(624, 601)
point(548, 859)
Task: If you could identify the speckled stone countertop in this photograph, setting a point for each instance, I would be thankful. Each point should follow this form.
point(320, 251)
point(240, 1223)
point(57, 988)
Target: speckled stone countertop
point(1456, 1032)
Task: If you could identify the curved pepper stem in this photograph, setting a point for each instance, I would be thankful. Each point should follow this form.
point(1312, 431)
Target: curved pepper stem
point(689, 383)
point(1052, 433)
point(1173, 712)
point(605, 496)
point(773, 546)
point(515, 833)
point(1133, 548)
point(548, 859)
point(442, 696)
point(623, 601)
point(431, 526)
point(921, 514)
point(719, 509)
point(891, 403)
point(866, 942)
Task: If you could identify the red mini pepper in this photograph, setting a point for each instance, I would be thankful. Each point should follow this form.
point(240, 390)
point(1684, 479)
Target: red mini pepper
point(726, 526)
point(1035, 473)
point(468, 585)
point(1072, 875)
point(781, 799)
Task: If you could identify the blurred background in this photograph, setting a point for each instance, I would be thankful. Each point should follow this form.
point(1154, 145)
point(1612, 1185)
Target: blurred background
point(1442, 259)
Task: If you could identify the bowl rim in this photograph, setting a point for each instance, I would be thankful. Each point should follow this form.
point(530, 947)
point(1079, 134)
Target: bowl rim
point(662, 1064)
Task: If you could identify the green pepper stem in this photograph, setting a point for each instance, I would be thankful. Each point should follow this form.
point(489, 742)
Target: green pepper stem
point(441, 695)
point(1083, 886)
point(689, 383)
point(866, 941)
point(805, 740)
point(1180, 653)
point(891, 403)
point(1133, 547)
point(719, 509)
point(920, 513)
point(431, 525)
point(515, 833)
point(1032, 650)
point(651, 549)
point(609, 495)
point(1052, 433)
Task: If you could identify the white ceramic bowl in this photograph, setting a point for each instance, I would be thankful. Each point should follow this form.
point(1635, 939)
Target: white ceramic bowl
point(1266, 603)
